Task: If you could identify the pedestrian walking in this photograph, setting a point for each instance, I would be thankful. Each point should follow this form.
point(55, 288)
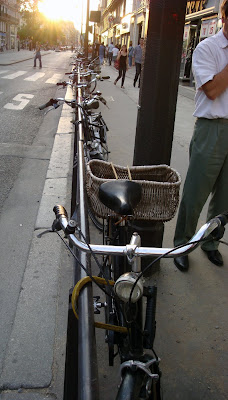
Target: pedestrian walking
point(137, 61)
point(130, 54)
point(101, 53)
point(37, 55)
point(123, 64)
point(208, 167)
point(110, 47)
point(115, 52)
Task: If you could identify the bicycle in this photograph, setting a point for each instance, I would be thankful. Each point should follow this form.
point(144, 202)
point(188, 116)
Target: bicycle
point(140, 373)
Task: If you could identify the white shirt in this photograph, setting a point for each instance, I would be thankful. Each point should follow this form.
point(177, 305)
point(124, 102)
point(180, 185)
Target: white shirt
point(115, 51)
point(209, 58)
point(110, 47)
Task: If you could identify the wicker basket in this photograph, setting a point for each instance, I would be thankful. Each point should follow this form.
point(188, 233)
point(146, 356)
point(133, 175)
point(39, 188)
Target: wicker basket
point(160, 189)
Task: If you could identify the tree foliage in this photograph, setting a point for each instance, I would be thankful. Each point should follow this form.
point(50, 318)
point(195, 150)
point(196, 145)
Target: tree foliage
point(37, 27)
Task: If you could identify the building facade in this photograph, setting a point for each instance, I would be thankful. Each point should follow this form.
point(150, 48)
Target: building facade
point(202, 20)
point(123, 21)
point(9, 22)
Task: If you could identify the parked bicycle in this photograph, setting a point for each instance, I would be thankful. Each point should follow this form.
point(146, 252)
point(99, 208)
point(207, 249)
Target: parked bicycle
point(124, 289)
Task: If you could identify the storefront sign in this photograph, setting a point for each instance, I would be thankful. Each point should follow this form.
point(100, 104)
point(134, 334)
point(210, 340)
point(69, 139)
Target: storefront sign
point(186, 32)
point(195, 6)
point(110, 33)
point(208, 28)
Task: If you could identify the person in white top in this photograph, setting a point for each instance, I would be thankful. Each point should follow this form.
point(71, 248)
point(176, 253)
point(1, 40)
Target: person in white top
point(110, 47)
point(115, 52)
point(208, 167)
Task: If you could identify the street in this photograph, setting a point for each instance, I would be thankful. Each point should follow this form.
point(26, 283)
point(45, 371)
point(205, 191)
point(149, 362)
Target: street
point(26, 141)
point(22, 89)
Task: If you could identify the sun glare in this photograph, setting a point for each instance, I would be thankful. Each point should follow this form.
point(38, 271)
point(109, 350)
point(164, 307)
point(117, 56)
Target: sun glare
point(68, 10)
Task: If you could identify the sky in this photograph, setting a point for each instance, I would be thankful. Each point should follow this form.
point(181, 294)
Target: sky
point(70, 10)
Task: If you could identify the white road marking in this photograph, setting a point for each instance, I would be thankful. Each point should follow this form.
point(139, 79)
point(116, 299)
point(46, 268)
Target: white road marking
point(109, 98)
point(35, 76)
point(4, 72)
point(15, 75)
point(54, 79)
point(23, 101)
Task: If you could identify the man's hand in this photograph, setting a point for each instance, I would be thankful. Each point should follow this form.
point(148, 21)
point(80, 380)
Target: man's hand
point(217, 85)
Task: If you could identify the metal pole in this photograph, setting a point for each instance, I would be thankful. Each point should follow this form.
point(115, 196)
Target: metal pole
point(87, 30)
point(82, 355)
point(87, 357)
point(158, 95)
point(159, 83)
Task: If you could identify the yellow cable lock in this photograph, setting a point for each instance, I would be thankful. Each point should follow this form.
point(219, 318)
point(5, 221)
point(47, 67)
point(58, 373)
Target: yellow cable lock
point(76, 291)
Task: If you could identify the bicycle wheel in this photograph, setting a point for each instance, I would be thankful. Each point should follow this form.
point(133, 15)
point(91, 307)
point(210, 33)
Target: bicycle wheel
point(91, 87)
point(97, 223)
point(134, 386)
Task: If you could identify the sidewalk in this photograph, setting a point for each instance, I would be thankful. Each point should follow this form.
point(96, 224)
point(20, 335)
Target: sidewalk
point(14, 57)
point(191, 308)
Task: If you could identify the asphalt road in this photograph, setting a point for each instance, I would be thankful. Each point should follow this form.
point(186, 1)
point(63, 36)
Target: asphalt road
point(26, 141)
point(22, 89)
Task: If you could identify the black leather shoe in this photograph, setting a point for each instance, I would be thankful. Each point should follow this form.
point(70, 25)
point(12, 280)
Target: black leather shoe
point(182, 263)
point(134, 83)
point(214, 256)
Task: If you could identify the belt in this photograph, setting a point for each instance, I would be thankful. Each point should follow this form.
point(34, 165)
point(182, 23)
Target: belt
point(225, 120)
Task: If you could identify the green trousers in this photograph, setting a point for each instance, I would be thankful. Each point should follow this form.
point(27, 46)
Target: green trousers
point(207, 174)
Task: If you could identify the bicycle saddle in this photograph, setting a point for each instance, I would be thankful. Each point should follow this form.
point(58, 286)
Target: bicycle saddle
point(120, 196)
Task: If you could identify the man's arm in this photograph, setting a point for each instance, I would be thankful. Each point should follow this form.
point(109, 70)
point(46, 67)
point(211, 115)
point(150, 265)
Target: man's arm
point(217, 85)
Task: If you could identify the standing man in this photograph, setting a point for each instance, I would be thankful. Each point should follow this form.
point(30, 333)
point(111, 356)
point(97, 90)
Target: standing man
point(101, 53)
point(110, 47)
point(37, 55)
point(137, 60)
point(208, 168)
point(130, 54)
point(115, 52)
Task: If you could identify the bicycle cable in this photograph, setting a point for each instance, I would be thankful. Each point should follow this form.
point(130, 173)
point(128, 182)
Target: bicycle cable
point(163, 255)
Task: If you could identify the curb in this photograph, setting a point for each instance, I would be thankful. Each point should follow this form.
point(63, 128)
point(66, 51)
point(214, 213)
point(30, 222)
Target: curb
point(25, 59)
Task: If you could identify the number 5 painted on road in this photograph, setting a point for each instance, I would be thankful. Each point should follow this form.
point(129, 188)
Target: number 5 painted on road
point(22, 98)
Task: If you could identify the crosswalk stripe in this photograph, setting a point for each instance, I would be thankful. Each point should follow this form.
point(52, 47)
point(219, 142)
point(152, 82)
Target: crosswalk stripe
point(54, 79)
point(4, 72)
point(15, 75)
point(35, 76)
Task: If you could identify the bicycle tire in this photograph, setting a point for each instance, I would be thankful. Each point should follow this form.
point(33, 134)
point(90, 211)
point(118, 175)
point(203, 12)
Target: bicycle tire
point(133, 387)
point(95, 220)
point(91, 87)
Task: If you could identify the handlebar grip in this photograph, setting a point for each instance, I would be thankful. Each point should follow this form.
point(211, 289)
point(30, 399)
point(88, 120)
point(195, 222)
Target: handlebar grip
point(61, 83)
point(48, 104)
point(60, 211)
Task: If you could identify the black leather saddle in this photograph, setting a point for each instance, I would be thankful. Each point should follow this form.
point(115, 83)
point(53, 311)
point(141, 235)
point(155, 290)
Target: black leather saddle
point(120, 196)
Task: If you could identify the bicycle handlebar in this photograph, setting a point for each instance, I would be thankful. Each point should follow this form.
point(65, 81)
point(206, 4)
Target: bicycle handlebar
point(51, 102)
point(87, 104)
point(214, 224)
point(55, 103)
